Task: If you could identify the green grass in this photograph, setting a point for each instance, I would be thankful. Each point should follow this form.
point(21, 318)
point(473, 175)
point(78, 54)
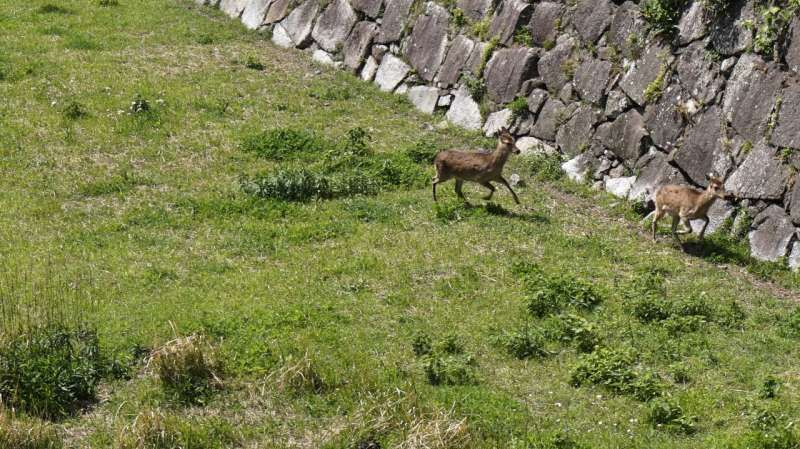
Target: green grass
point(316, 307)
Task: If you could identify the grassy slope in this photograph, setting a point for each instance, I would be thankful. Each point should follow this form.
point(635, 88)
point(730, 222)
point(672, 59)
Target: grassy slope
point(349, 282)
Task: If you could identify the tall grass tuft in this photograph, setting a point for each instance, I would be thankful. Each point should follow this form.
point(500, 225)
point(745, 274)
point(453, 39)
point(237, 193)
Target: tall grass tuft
point(189, 368)
point(27, 434)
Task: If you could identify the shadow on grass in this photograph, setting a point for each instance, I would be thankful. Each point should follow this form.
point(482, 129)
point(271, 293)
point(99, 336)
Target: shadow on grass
point(721, 249)
point(526, 215)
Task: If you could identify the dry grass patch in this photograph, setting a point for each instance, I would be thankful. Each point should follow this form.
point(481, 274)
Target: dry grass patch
point(189, 368)
point(298, 376)
point(27, 434)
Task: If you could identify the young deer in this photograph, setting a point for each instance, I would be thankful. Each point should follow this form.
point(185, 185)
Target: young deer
point(686, 203)
point(482, 168)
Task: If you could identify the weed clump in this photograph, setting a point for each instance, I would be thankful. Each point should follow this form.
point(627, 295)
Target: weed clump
point(50, 372)
point(139, 105)
point(544, 167)
point(571, 328)
point(153, 429)
point(188, 368)
point(666, 413)
point(615, 370)
point(299, 376)
point(663, 15)
point(422, 152)
point(74, 111)
point(28, 434)
point(445, 362)
point(525, 343)
point(282, 143)
point(550, 294)
point(771, 431)
point(253, 63)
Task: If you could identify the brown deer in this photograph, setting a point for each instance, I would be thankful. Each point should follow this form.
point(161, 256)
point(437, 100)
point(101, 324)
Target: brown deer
point(482, 168)
point(685, 203)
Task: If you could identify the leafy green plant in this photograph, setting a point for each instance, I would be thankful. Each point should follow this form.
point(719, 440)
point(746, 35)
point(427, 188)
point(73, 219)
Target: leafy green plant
point(518, 107)
point(283, 143)
point(51, 371)
point(668, 414)
point(254, 64)
point(548, 294)
point(614, 370)
point(445, 362)
point(770, 388)
point(74, 111)
point(524, 343)
point(422, 152)
point(654, 90)
point(544, 167)
point(662, 15)
point(571, 328)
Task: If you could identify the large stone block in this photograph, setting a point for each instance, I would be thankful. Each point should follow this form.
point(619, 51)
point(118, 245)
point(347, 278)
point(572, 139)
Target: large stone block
point(628, 29)
point(395, 18)
point(281, 38)
point(575, 135)
point(298, 23)
point(391, 72)
point(506, 72)
point(254, 13)
point(428, 41)
point(553, 64)
point(543, 22)
point(794, 205)
point(654, 171)
point(474, 9)
point(760, 176)
point(357, 44)
point(424, 98)
point(718, 213)
point(277, 11)
point(233, 8)
point(510, 15)
point(750, 96)
point(703, 149)
point(457, 56)
point(552, 115)
point(334, 25)
point(698, 74)
point(625, 136)
point(731, 33)
point(643, 72)
point(591, 18)
point(793, 51)
point(773, 234)
point(591, 79)
point(664, 120)
point(787, 127)
point(692, 25)
point(464, 111)
point(372, 8)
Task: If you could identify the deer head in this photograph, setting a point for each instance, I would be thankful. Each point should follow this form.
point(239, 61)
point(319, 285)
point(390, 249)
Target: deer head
point(716, 186)
point(508, 141)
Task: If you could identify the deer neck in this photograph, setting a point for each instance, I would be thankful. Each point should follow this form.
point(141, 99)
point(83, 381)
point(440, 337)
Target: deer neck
point(706, 200)
point(500, 155)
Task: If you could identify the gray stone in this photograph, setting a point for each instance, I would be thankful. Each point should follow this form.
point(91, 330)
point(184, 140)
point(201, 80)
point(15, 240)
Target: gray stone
point(628, 29)
point(543, 22)
point(591, 79)
point(369, 69)
point(591, 18)
point(424, 98)
point(474, 9)
point(428, 41)
point(787, 127)
point(620, 187)
point(277, 11)
point(760, 176)
point(445, 101)
point(322, 57)
point(464, 111)
point(616, 103)
point(460, 50)
point(625, 137)
point(794, 205)
point(644, 71)
point(577, 169)
point(510, 14)
point(402, 89)
point(664, 120)
point(718, 213)
point(395, 18)
point(497, 120)
point(371, 8)
point(728, 64)
point(773, 233)
point(298, 23)
point(654, 171)
point(692, 25)
point(378, 51)
point(391, 72)
point(703, 149)
point(793, 49)
point(357, 44)
point(698, 74)
point(506, 72)
point(552, 115)
point(475, 61)
point(233, 8)
point(730, 34)
point(536, 100)
point(533, 146)
point(750, 96)
point(553, 63)
point(281, 38)
point(254, 13)
point(575, 136)
point(334, 25)
point(794, 257)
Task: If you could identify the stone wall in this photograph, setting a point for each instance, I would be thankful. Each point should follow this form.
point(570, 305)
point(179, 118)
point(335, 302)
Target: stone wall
point(628, 107)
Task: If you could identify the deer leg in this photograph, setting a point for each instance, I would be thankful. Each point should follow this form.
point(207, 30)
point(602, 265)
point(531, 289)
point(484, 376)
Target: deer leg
point(459, 184)
point(703, 230)
point(675, 229)
point(491, 188)
point(435, 181)
point(503, 180)
point(687, 227)
point(657, 216)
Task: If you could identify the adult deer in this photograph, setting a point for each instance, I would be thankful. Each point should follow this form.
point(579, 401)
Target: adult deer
point(685, 203)
point(482, 168)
